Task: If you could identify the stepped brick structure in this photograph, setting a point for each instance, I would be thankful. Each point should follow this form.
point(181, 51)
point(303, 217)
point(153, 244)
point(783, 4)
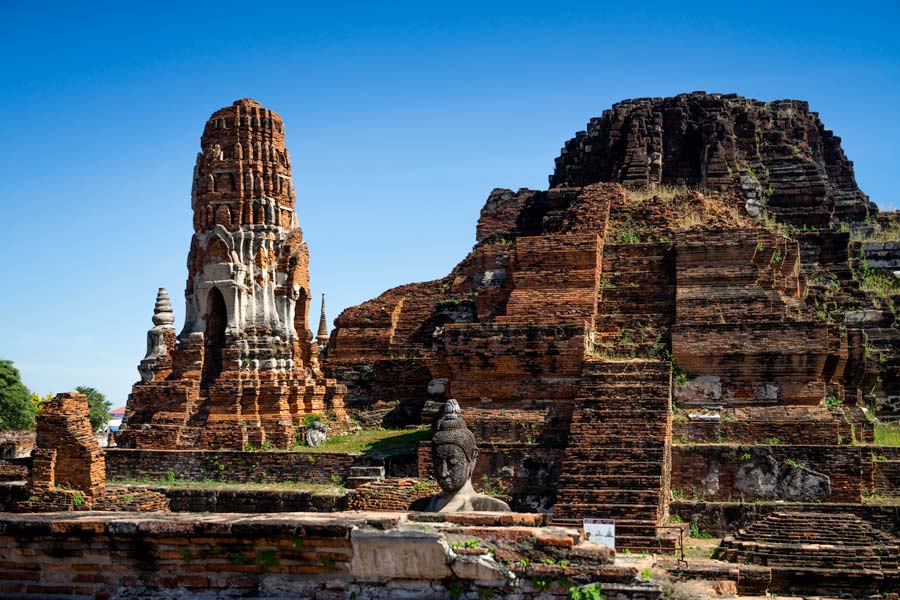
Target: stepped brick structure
point(778, 155)
point(706, 231)
point(836, 554)
point(244, 369)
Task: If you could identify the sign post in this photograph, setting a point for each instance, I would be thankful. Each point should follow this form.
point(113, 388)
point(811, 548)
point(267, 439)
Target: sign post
point(601, 531)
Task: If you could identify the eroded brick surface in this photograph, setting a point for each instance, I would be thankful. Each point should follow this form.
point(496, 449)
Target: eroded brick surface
point(244, 369)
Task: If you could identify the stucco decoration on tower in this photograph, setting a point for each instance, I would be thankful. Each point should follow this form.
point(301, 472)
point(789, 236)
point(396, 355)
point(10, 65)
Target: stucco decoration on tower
point(242, 369)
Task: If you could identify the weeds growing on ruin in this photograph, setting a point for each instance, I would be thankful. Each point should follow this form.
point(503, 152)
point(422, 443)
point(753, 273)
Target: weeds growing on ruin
point(587, 592)
point(833, 402)
point(380, 441)
point(887, 434)
point(695, 532)
point(884, 234)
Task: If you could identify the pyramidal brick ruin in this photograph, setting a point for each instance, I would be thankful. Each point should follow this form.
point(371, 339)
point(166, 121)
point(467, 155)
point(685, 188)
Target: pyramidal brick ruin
point(693, 328)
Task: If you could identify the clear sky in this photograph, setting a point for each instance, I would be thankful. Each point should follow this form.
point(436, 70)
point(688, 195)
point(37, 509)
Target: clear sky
point(400, 119)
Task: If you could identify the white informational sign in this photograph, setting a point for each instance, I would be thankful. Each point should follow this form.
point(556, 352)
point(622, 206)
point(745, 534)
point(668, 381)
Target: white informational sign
point(601, 531)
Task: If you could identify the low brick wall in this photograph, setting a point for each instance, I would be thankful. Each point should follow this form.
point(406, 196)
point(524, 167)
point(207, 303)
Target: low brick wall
point(300, 555)
point(709, 471)
point(224, 465)
point(218, 500)
point(15, 469)
point(886, 478)
point(391, 494)
point(16, 444)
point(723, 518)
point(251, 501)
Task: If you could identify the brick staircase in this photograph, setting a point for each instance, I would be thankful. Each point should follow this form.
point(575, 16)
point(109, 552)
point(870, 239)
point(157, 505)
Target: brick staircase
point(637, 301)
point(617, 462)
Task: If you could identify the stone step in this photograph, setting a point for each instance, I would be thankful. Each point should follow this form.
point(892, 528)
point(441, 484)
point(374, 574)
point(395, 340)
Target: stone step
point(608, 480)
point(623, 466)
point(609, 496)
point(355, 482)
point(367, 471)
point(607, 511)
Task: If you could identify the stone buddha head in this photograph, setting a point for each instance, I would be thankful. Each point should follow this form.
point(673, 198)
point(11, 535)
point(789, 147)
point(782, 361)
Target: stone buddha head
point(453, 451)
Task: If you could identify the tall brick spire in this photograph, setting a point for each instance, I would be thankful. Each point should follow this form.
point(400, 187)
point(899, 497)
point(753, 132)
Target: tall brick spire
point(243, 172)
point(242, 370)
point(248, 254)
point(322, 335)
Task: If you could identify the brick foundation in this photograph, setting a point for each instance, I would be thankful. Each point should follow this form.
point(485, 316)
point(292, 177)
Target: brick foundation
point(364, 555)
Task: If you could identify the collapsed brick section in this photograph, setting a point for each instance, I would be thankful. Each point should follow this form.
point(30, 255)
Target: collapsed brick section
point(67, 454)
point(244, 369)
point(835, 554)
point(778, 155)
point(390, 494)
point(69, 469)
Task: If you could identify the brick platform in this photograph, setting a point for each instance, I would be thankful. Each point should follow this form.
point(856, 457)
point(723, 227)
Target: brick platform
point(820, 553)
point(365, 555)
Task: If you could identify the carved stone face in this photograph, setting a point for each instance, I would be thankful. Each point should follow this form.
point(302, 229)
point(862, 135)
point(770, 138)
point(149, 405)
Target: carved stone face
point(452, 468)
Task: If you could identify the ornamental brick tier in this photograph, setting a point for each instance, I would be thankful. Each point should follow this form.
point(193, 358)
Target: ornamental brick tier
point(244, 369)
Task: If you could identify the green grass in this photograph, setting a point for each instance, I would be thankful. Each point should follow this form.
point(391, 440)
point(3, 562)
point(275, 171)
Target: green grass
point(373, 441)
point(887, 434)
point(210, 484)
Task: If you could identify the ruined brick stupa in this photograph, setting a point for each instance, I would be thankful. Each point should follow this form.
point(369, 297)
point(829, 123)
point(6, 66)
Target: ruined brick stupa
point(244, 369)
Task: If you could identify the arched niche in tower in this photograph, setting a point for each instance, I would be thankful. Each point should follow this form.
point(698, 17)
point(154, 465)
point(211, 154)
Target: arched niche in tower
point(301, 316)
point(216, 320)
point(217, 250)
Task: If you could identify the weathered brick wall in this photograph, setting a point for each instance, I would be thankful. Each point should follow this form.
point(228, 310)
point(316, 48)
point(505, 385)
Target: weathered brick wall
point(16, 444)
point(14, 469)
point(233, 500)
point(391, 494)
point(226, 499)
point(496, 363)
point(708, 471)
point(355, 555)
point(741, 321)
point(754, 425)
point(886, 478)
point(239, 467)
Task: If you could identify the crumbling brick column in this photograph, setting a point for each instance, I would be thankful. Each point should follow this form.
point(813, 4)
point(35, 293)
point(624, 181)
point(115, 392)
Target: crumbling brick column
point(67, 453)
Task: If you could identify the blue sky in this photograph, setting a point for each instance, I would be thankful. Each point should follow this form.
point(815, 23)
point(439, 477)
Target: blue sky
point(400, 119)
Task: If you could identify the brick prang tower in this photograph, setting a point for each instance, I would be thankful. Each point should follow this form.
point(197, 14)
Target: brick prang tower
point(242, 369)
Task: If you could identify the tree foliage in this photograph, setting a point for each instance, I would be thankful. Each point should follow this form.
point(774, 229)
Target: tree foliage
point(98, 406)
point(39, 401)
point(16, 409)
